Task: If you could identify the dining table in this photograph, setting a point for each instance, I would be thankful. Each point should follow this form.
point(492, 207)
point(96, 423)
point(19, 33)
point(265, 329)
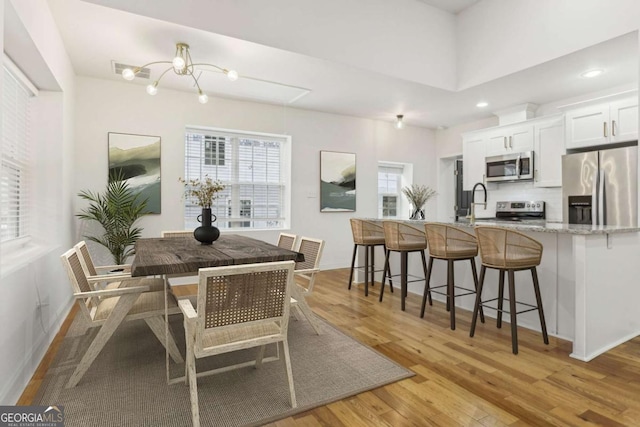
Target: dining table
point(179, 256)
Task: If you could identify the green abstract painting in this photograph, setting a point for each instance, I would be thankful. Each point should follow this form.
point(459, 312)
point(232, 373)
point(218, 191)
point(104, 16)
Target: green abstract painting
point(337, 181)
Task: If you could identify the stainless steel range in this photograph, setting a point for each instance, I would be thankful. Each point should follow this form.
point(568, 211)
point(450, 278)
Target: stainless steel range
point(520, 211)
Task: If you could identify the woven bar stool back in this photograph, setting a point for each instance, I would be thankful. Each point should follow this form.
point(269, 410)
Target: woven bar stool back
point(368, 234)
point(403, 238)
point(450, 244)
point(509, 251)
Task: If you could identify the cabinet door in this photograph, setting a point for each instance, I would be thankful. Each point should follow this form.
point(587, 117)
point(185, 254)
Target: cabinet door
point(586, 127)
point(497, 144)
point(624, 120)
point(548, 152)
point(521, 139)
point(473, 153)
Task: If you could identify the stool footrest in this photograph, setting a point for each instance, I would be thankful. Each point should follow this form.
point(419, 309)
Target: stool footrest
point(485, 305)
point(469, 291)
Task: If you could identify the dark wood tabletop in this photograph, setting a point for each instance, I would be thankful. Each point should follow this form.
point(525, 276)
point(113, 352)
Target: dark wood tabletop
point(187, 255)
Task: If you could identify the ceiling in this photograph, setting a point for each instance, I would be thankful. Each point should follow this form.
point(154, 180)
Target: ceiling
point(96, 36)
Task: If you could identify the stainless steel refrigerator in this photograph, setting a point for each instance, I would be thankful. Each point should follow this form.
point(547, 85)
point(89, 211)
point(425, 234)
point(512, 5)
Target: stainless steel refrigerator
point(601, 187)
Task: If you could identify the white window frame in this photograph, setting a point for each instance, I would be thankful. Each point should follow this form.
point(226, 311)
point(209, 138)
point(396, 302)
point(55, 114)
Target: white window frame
point(406, 178)
point(223, 202)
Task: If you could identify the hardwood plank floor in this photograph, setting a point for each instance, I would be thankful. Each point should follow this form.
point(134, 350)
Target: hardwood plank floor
point(460, 381)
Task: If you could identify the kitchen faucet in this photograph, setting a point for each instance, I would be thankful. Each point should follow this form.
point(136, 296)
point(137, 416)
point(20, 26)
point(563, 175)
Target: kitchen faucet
point(472, 216)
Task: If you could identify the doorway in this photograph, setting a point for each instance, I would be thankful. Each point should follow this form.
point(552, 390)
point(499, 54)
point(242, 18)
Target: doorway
point(463, 198)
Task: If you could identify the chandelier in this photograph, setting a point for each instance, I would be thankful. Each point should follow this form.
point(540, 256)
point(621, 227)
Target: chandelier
point(182, 65)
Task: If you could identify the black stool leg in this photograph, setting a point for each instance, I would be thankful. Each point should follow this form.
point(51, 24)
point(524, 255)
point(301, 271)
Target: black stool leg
point(478, 304)
point(512, 308)
point(388, 270)
point(451, 293)
point(384, 273)
point(427, 288)
point(403, 277)
point(500, 297)
point(353, 263)
point(366, 271)
point(474, 272)
point(536, 288)
point(426, 272)
point(373, 265)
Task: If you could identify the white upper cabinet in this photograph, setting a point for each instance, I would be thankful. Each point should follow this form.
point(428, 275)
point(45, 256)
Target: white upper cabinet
point(548, 148)
point(601, 124)
point(473, 153)
point(510, 139)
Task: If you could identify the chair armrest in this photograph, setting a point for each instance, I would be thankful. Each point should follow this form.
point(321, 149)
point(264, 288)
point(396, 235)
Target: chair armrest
point(187, 309)
point(111, 278)
point(125, 267)
point(306, 271)
point(112, 292)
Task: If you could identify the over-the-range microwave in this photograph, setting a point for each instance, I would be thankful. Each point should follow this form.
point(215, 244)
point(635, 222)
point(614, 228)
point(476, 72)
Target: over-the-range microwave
point(509, 167)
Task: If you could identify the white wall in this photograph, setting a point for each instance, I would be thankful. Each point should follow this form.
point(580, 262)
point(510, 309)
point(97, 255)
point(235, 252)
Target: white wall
point(499, 37)
point(113, 106)
point(35, 289)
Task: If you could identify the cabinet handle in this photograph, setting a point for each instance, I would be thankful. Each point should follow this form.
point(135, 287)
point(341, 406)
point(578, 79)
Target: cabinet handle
point(536, 175)
point(510, 142)
point(604, 128)
point(613, 128)
point(505, 143)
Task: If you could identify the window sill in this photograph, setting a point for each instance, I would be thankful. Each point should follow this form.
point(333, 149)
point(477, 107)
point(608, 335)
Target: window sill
point(15, 258)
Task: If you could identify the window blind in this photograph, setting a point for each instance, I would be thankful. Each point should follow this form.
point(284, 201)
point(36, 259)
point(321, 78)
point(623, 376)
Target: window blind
point(251, 167)
point(15, 159)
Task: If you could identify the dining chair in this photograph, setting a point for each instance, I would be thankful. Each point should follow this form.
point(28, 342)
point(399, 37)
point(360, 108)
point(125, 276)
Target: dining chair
point(287, 241)
point(239, 307)
point(305, 277)
point(107, 308)
point(112, 280)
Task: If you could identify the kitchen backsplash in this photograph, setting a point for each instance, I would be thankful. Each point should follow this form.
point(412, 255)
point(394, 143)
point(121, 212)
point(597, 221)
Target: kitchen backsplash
point(521, 191)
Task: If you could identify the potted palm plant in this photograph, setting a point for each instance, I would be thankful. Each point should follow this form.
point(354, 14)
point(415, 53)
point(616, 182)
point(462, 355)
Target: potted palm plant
point(116, 209)
point(418, 195)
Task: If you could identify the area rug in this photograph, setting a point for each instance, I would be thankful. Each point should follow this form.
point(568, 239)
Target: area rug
point(126, 385)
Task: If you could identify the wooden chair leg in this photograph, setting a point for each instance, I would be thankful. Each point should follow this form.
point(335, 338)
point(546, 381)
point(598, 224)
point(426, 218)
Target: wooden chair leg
point(474, 272)
point(353, 263)
point(500, 297)
point(260, 356)
point(478, 303)
point(156, 324)
point(124, 304)
point(287, 363)
point(536, 288)
point(512, 309)
point(451, 293)
point(193, 387)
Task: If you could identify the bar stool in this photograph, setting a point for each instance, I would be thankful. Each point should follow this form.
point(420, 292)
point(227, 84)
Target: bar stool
point(402, 238)
point(510, 251)
point(450, 244)
point(367, 234)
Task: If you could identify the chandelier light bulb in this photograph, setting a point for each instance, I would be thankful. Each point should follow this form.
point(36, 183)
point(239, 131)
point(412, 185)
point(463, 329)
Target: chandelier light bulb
point(178, 63)
point(128, 74)
point(232, 75)
point(152, 89)
point(399, 122)
point(203, 98)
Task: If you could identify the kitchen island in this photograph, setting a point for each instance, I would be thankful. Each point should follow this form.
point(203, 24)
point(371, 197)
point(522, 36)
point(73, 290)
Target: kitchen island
point(589, 280)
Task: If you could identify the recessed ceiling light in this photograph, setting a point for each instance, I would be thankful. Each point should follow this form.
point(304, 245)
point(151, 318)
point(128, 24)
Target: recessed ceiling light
point(592, 73)
point(482, 104)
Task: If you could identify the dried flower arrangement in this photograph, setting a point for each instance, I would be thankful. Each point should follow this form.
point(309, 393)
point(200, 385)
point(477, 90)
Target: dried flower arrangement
point(204, 192)
point(418, 194)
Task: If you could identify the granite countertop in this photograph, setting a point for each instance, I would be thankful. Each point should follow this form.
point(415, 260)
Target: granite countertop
point(533, 226)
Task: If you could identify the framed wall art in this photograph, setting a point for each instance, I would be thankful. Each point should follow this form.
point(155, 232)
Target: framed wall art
point(137, 157)
point(337, 181)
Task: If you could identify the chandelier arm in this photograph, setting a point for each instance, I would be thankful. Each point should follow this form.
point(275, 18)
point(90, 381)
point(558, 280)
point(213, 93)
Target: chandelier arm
point(163, 73)
point(195, 80)
point(224, 70)
point(138, 69)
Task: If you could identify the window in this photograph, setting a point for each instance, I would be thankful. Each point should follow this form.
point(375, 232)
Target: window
point(389, 187)
point(254, 168)
point(15, 159)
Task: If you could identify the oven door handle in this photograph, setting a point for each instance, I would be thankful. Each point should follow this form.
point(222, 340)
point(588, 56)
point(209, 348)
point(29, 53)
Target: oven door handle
point(518, 167)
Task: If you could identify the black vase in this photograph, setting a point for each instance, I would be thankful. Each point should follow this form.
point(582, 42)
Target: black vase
point(417, 214)
point(206, 233)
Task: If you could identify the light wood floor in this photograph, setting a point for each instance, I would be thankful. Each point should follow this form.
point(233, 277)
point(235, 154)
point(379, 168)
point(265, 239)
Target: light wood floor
point(460, 380)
